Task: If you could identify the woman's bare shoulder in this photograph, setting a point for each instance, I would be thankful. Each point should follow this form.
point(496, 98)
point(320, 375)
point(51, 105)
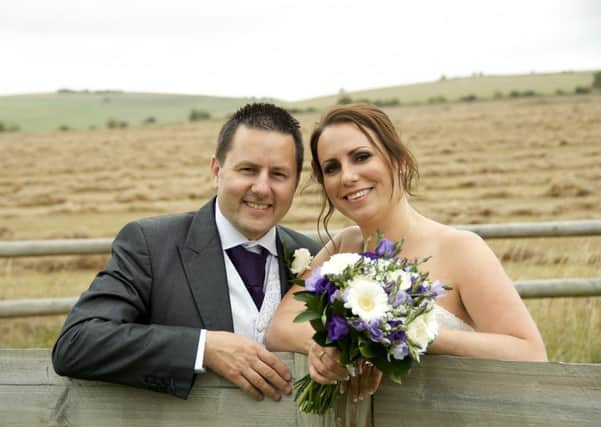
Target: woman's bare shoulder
point(349, 239)
point(343, 241)
point(470, 256)
point(452, 239)
point(459, 248)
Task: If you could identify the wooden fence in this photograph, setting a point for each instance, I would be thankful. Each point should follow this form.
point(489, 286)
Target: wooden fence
point(486, 231)
point(550, 288)
point(442, 390)
point(570, 287)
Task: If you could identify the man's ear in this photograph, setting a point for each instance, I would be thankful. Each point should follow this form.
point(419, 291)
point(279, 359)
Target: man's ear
point(215, 168)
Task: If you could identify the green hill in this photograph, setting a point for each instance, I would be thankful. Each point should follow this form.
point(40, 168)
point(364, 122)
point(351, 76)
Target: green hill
point(82, 110)
point(452, 89)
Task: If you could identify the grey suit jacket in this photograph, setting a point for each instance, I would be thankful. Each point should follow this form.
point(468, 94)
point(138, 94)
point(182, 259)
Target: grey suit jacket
point(139, 322)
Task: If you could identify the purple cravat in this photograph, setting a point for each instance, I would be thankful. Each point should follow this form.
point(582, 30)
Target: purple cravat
point(251, 267)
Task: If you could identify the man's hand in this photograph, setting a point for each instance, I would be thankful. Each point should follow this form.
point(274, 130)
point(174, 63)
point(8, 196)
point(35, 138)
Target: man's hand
point(247, 364)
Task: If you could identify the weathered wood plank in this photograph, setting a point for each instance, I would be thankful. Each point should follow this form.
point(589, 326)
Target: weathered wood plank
point(31, 394)
point(459, 391)
point(441, 390)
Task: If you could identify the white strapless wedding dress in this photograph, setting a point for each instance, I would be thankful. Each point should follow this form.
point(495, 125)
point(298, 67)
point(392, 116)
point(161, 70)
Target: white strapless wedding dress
point(447, 320)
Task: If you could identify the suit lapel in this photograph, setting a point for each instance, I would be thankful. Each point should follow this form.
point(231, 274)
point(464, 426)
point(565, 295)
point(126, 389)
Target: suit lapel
point(282, 242)
point(202, 258)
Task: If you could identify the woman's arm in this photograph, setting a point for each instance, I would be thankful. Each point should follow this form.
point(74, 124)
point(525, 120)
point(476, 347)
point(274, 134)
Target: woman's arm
point(504, 328)
point(285, 335)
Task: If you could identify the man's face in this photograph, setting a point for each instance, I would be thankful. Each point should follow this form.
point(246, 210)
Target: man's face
point(256, 182)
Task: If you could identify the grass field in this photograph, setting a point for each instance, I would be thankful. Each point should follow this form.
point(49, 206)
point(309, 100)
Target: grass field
point(50, 111)
point(453, 89)
point(510, 160)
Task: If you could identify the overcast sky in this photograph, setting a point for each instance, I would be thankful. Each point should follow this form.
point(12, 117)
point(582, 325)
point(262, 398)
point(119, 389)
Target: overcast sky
point(285, 49)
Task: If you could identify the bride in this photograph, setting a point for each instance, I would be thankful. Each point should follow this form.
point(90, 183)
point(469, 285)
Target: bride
point(366, 173)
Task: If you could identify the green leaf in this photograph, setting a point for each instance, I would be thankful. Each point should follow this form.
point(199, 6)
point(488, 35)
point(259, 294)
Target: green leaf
point(354, 353)
point(307, 315)
point(393, 370)
point(299, 282)
point(320, 338)
point(305, 296)
point(318, 325)
point(368, 349)
point(338, 308)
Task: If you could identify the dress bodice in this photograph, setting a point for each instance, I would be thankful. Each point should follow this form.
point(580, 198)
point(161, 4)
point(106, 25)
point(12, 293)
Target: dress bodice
point(447, 320)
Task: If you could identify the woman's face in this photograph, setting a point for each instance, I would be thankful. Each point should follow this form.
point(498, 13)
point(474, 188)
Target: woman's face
point(356, 174)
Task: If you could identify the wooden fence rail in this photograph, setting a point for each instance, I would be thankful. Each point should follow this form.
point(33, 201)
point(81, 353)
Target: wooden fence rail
point(527, 289)
point(574, 287)
point(442, 390)
point(487, 231)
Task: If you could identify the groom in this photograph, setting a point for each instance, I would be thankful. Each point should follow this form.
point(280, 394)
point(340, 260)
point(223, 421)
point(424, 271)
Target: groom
point(188, 292)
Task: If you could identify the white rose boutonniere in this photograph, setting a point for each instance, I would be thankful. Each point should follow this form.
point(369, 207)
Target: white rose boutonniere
point(301, 258)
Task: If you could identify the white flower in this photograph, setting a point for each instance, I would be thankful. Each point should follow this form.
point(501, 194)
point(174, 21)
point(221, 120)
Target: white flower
point(423, 330)
point(405, 278)
point(366, 299)
point(338, 263)
point(300, 261)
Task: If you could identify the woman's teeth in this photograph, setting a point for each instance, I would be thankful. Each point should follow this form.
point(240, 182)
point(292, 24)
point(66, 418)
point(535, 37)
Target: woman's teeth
point(357, 195)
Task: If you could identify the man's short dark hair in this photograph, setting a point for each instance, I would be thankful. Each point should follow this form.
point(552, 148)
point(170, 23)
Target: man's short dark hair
point(265, 117)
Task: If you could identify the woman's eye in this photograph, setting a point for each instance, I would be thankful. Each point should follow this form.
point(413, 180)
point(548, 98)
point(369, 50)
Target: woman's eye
point(330, 169)
point(361, 157)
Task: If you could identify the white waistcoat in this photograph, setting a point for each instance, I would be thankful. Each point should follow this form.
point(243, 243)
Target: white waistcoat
point(249, 321)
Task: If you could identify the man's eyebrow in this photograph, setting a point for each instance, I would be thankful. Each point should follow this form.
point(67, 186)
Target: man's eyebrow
point(282, 168)
point(245, 163)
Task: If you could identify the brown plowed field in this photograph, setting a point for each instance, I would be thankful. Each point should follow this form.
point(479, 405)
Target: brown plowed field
point(536, 159)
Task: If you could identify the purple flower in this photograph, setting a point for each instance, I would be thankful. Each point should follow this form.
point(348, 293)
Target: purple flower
point(375, 332)
point(345, 294)
point(311, 282)
point(420, 289)
point(385, 249)
point(400, 351)
point(333, 296)
point(330, 289)
point(395, 323)
point(437, 289)
point(397, 336)
point(370, 255)
point(337, 328)
point(359, 325)
point(401, 297)
point(318, 284)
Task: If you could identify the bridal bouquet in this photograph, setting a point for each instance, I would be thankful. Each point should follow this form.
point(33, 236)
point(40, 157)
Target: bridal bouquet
point(372, 306)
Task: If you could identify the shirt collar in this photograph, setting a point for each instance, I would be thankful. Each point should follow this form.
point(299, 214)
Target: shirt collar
point(231, 237)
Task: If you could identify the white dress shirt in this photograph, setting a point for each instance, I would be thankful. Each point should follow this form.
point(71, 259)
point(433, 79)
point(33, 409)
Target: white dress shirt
point(248, 320)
